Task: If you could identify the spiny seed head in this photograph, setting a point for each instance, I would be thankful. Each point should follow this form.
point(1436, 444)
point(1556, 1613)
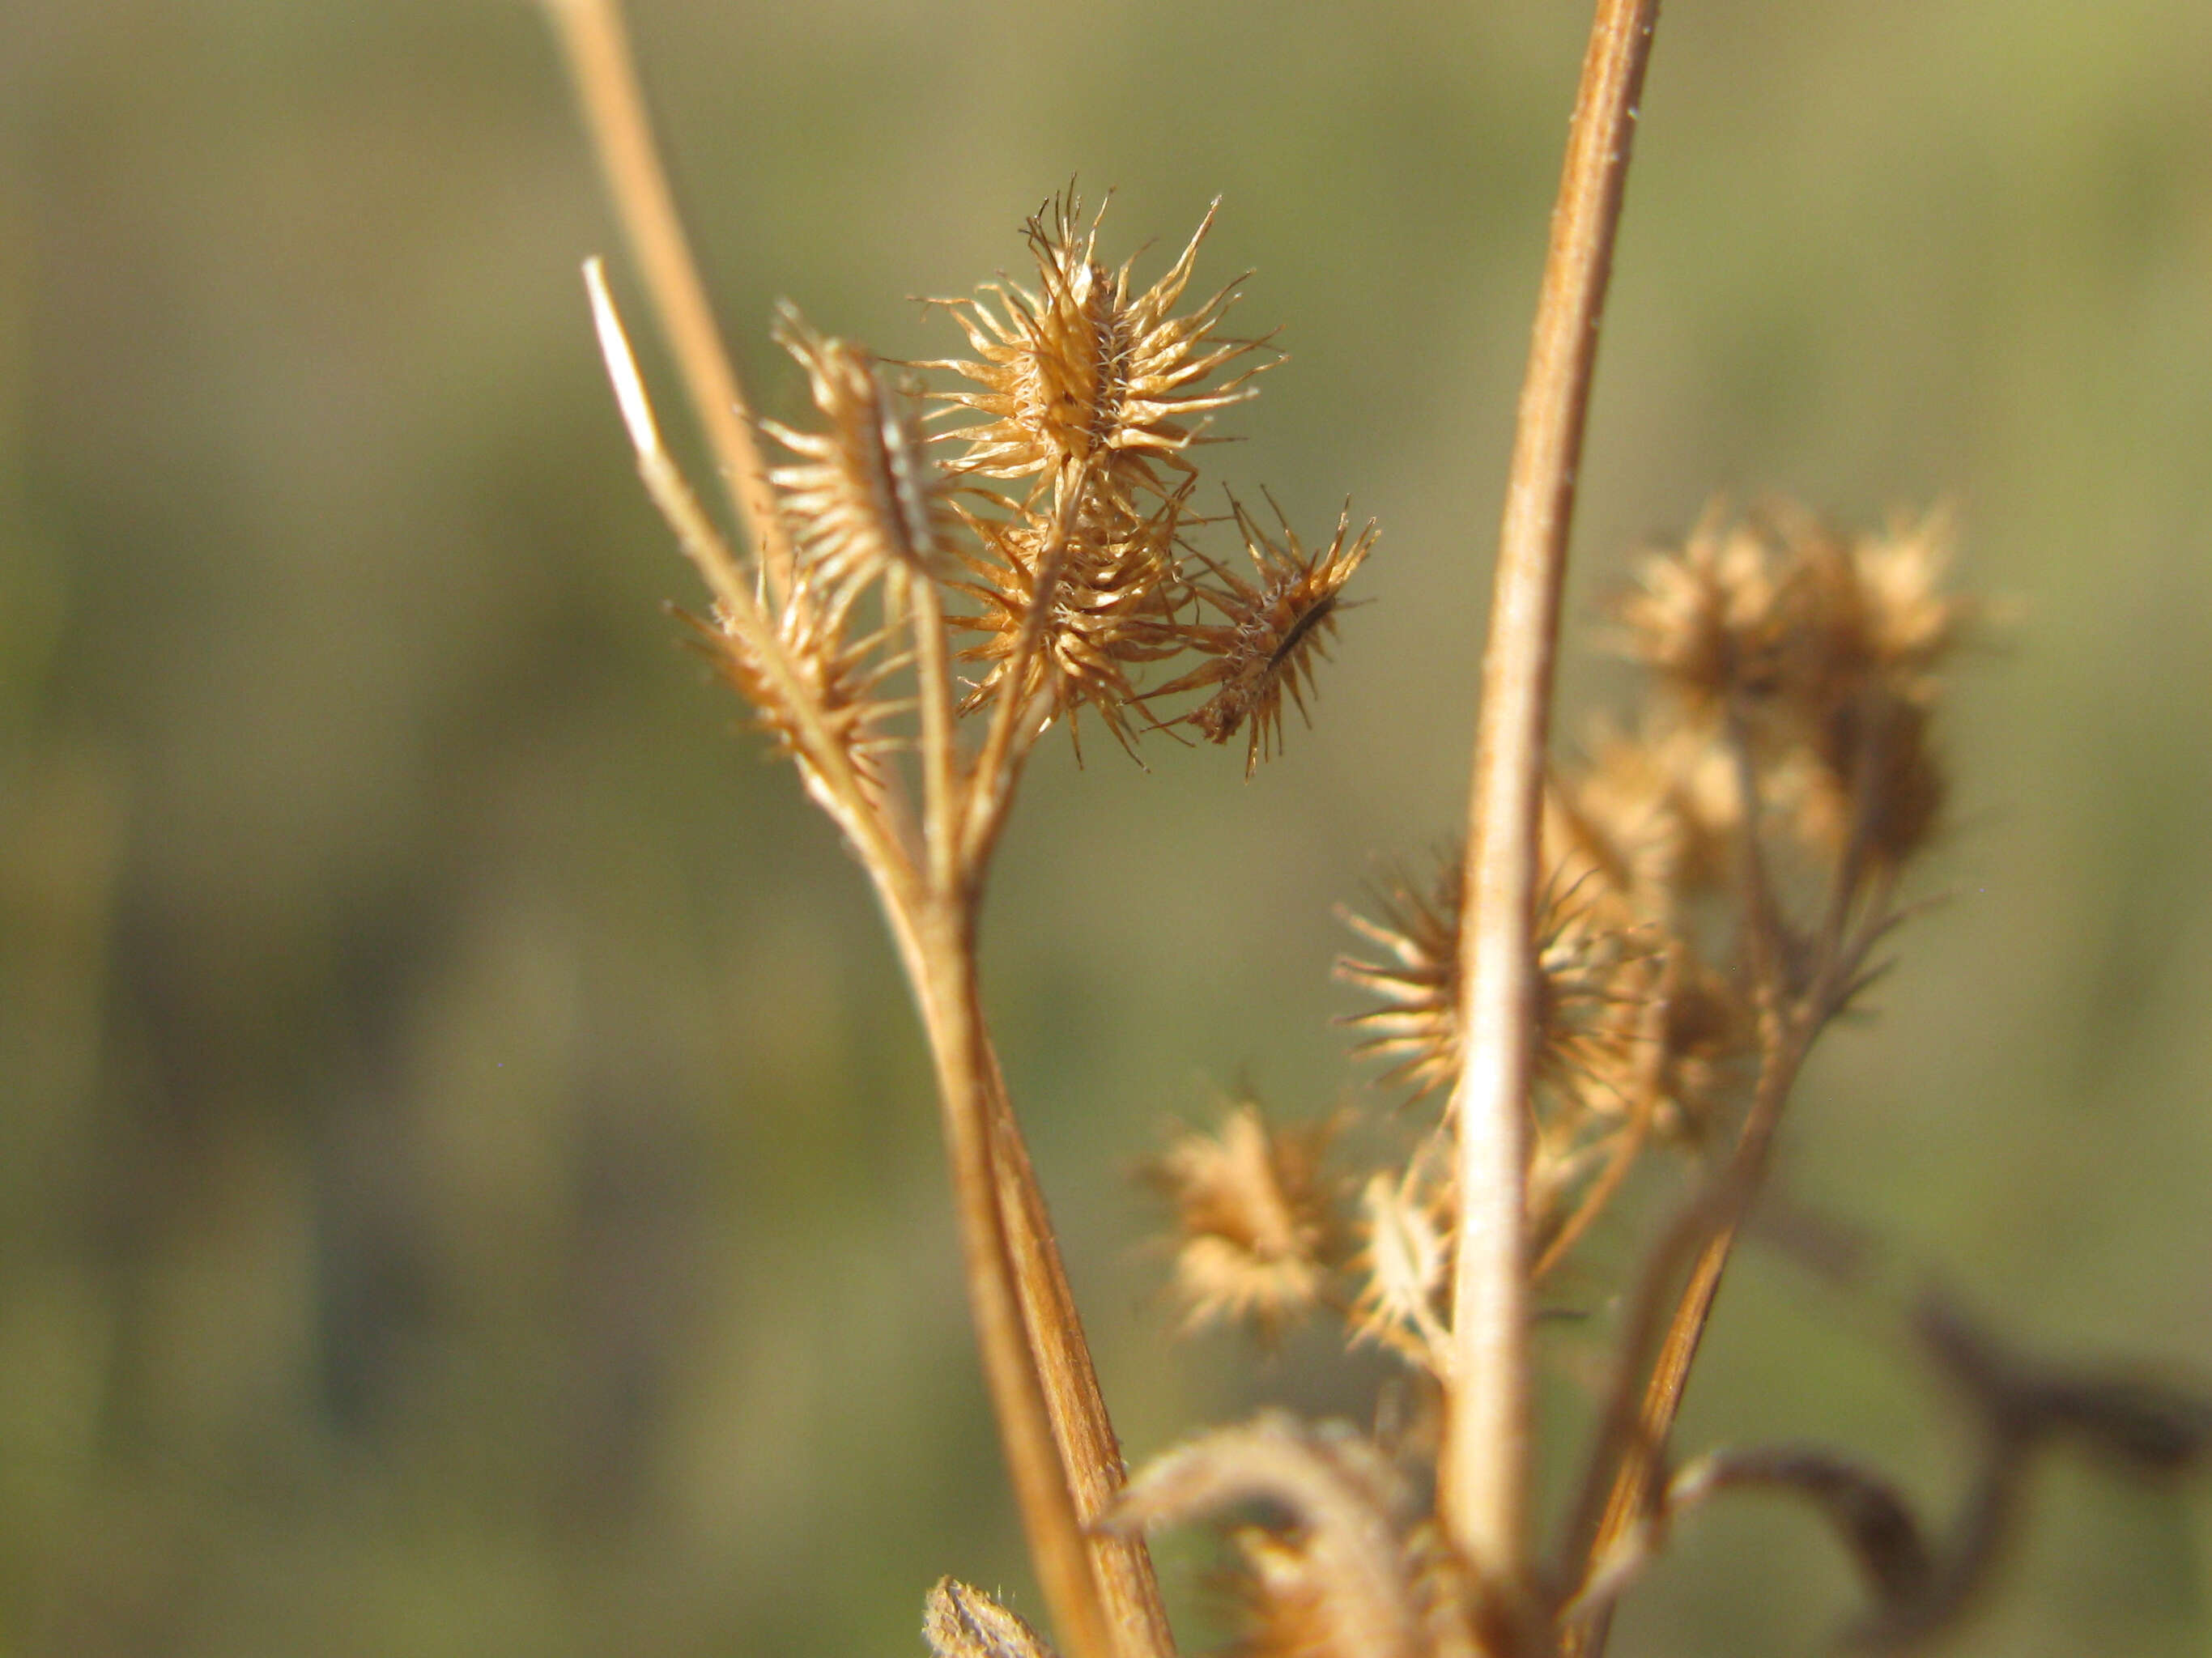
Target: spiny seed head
point(866, 495)
point(1271, 629)
point(1113, 609)
point(1868, 629)
point(1082, 370)
point(1255, 1219)
point(1825, 649)
point(1705, 616)
point(842, 677)
point(1657, 811)
point(1591, 956)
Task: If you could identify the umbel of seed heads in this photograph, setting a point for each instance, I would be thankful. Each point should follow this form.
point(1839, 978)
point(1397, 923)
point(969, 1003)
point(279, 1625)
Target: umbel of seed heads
point(1052, 521)
point(1777, 773)
point(1092, 397)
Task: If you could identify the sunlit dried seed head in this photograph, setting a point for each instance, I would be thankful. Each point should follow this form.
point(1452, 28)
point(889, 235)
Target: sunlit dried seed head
point(1417, 1027)
point(1113, 609)
point(1082, 370)
point(866, 495)
point(1271, 629)
point(1826, 649)
point(960, 1622)
point(1257, 1236)
point(1869, 611)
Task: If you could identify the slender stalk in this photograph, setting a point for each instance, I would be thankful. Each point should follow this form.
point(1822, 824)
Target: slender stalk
point(944, 976)
point(597, 47)
point(1044, 1394)
point(1627, 1466)
point(940, 753)
point(1006, 744)
point(1088, 1450)
point(1484, 1475)
point(1060, 1356)
point(823, 763)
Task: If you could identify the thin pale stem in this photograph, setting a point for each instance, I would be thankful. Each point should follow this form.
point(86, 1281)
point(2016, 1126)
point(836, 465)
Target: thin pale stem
point(1007, 743)
point(1088, 1447)
point(824, 760)
point(1628, 1465)
point(597, 47)
point(1089, 1454)
point(940, 752)
point(1484, 1477)
point(945, 976)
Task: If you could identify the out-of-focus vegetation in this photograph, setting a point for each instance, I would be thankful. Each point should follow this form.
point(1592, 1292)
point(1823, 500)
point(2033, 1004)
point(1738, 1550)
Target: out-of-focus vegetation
point(467, 1181)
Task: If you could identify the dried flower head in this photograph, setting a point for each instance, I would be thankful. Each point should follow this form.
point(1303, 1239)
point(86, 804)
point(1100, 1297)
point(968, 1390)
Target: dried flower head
point(1657, 813)
point(1823, 648)
point(868, 495)
point(1271, 630)
point(1255, 1219)
point(1868, 627)
point(1082, 370)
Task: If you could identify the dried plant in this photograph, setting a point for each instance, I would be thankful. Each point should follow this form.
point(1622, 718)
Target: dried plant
point(1627, 960)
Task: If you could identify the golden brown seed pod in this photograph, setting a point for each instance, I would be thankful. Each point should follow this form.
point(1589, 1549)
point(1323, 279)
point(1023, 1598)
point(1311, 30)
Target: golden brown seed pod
point(1271, 629)
point(1080, 369)
point(868, 495)
point(1257, 1234)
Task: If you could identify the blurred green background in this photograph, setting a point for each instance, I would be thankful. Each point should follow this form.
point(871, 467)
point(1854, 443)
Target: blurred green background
point(467, 1181)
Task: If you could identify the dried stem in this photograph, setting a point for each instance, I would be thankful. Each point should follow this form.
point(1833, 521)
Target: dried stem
point(1484, 1477)
point(1059, 1446)
point(1628, 1466)
point(945, 976)
point(824, 762)
point(597, 47)
point(1088, 1447)
point(1007, 743)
